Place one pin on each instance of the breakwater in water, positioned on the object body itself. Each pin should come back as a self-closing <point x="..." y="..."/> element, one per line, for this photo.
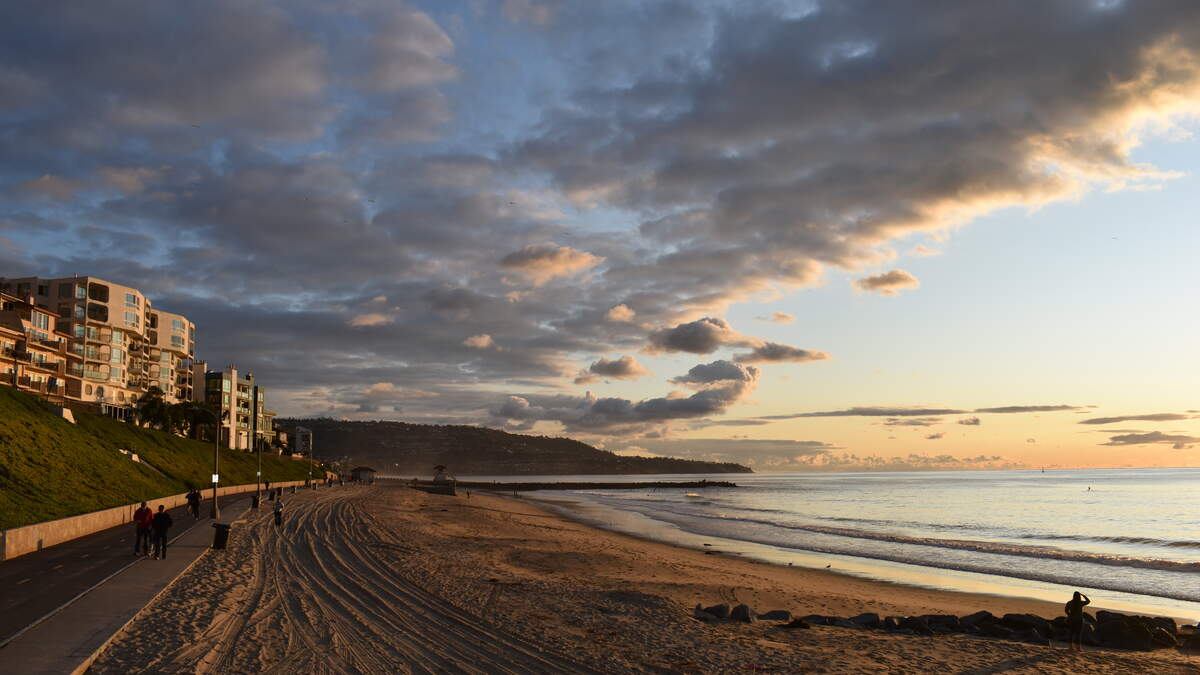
<point x="591" y="485"/>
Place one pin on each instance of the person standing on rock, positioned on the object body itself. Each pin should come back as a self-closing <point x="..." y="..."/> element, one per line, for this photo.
<point x="1074" y="609"/>
<point x="142" y="519"/>
<point x="162" y="523"/>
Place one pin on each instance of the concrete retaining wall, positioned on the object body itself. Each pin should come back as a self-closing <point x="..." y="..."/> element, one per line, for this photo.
<point x="21" y="540"/>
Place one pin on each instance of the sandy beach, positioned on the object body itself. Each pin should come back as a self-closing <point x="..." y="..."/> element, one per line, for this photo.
<point x="388" y="579"/>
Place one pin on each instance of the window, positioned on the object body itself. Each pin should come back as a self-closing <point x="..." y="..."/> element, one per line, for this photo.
<point x="225" y="400"/>
<point x="79" y="311"/>
<point x="177" y="341"/>
<point x="117" y="374"/>
<point x="98" y="292"/>
<point x="225" y="387"/>
<point x="43" y="289"/>
<point x="118" y="337"/>
<point x="66" y="290"/>
<point x="80" y="292"/>
<point x="152" y="320"/>
<point x="131" y="299"/>
<point x="97" y="312"/>
<point x="40" y="320"/>
<point x="118" y="356"/>
<point x="87" y="389"/>
<point x="78" y="330"/>
<point x="132" y="319"/>
<point x="176" y="324"/>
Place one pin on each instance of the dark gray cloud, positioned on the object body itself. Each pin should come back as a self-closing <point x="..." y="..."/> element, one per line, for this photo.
<point x="970" y="421"/>
<point x="702" y="336"/>
<point x="773" y="352"/>
<point x="934" y="437"/>
<point x="719" y="385"/>
<point x="1155" y="417"/>
<point x="624" y="368"/>
<point x="871" y="412"/>
<point x="912" y="421"/>
<point x="1027" y="409"/>
<point x="1177" y="441"/>
<point x="332" y="190"/>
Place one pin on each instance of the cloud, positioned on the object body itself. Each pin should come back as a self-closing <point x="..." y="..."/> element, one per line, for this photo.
<point x="719" y="385"/>
<point x="871" y="412"/>
<point x="624" y="368"/>
<point x="970" y="421"/>
<point x="718" y="371"/>
<point x="1176" y="441"/>
<point x="934" y="437"/>
<point x="758" y="454"/>
<point x="306" y="158"/>
<point x="1156" y="417"/>
<point x="911" y="462"/>
<point x="888" y="283"/>
<point x="912" y="421"/>
<point x="621" y="314"/>
<point x="1027" y="409"/>
<point x="543" y="262"/>
<point x="702" y="336"/>
<point x="773" y="352"/>
<point x="481" y="341"/>
<point x="373" y="319"/>
<point x="778" y="317"/>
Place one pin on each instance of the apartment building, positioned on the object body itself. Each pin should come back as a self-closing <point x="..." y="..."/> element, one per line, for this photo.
<point x="246" y="424"/>
<point x="34" y="353"/>
<point x="118" y="345"/>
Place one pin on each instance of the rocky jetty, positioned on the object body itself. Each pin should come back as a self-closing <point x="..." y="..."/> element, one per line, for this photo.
<point x="1105" y="629"/>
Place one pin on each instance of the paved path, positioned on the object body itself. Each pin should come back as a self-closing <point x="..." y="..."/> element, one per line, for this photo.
<point x="34" y="584"/>
<point x="120" y="584"/>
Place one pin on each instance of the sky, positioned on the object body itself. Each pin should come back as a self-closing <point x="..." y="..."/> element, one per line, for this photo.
<point x="796" y="235"/>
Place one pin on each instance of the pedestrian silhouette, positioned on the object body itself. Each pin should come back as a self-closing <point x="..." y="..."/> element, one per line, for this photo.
<point x="1074" y="610"/>
<point x="142" y="519"/>
<point x="193" y="500"/>
<point x="278" y="512"/>
<point x="162" y="523"/>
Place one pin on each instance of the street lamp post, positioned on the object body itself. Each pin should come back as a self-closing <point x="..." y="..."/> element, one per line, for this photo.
<point x="216" y="509"/>
<point x="258" y="443"/>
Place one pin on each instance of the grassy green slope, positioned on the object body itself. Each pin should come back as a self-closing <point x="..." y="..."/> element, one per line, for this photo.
<point x="50" y="468"/>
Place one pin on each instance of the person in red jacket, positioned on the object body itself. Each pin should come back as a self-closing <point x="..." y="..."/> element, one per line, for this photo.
<point x="143" y="520"/>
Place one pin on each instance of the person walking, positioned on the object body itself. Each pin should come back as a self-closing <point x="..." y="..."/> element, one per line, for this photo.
<point x="193" y="500"/>
<point x="162" y="523"/>
<point x="1074" y="609"/>
<point x="142" y="519"/>
<point x="278" y="512"/>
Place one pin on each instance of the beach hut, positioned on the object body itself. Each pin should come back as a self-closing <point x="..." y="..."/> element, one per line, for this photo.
<point x="362" y="474"/>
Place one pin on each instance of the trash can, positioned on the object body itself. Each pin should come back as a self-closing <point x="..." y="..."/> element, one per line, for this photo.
<point x="254" y="502"/>
<point x="220" y="536"/>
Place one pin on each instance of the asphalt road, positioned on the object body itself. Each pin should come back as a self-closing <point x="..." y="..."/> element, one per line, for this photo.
<point x="37" y="583"/>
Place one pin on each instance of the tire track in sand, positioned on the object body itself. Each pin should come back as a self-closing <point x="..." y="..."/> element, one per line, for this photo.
<point x="322" y="594"/>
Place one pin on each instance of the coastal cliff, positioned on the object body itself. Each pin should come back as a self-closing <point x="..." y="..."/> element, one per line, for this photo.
<point x="399" y="447"/>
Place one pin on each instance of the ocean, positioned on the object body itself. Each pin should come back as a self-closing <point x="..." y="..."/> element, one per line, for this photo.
<point x="1128" y="538"/>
